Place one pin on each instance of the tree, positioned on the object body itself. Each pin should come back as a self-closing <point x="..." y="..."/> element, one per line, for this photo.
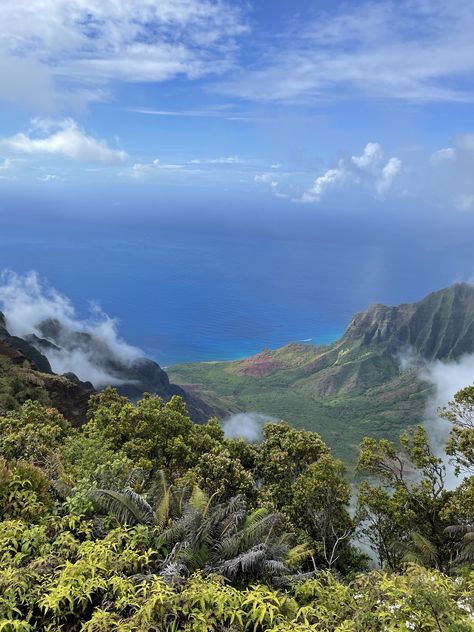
<point x="33" y="433"/>
<point x="285" y="454"/>
<point x="153" y="434"/>
<point x="219" y="474"/>
<point x="319" y="508"/>
<point x="408" y="504"/>
<point x="460" y="413"/>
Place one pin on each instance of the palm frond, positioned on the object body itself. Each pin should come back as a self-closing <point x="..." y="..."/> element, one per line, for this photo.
<point x="420" y="551"/>
<point x="255" y="516"/>
<point x="199" y="500"/>
<point x="128" y="507"/>
<point x="163" y="501"/>
<point x="459" y="529"/>
<point x="466" y="552"/>
<point x="275" y="567"/>
<point x="136" y="477"/>
<point x="244" y="564"/>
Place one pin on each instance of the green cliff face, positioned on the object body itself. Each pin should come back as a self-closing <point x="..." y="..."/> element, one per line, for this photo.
<point x="354" y="387"/>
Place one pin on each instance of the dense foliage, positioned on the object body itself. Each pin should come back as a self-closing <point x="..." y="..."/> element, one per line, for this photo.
<point x="142" y="520"/>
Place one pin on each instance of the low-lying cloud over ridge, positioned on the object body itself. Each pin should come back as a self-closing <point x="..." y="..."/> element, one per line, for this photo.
<point x="87" y="347"/>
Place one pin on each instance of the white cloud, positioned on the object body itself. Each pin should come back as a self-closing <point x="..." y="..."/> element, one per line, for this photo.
<point x="442" y="155"/>
<point x="247" y="426"/>
<point x="25" y="80"/>
<point x="409" y="49"/>
<point x="49" y="177"/>
<point x="60" y="138"/>
<point x="389" y="173"/>
<point x="454" y="168"/>
<point x="6" y="164"/>
<point x="465" y="142"/>
<point x="224" y="160"/>
<point x="91" y="42"/>
<point x="462" y="149"/>
<point x="372" y="154"/>
<point x="263" y="177"/>
<point x="369" y="168"/>
<point x="141" y="170"/>
<point x="464" y="202"/>
<point x="328" y="180"/>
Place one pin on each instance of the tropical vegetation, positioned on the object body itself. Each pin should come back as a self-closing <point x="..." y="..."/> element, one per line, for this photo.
<point x="143" y="520"/>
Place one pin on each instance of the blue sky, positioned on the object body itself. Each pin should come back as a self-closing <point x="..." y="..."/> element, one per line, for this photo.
<point x="318" y="104"/>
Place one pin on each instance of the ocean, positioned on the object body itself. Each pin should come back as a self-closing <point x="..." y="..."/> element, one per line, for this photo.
<point x="199" y="289"/>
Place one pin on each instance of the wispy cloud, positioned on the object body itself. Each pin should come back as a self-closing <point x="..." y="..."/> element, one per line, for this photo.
<point x="453" y="170"/>
<point x="411" y="50"/>
<point x="6" y="165"/>
<point x="223" y="160"/>
<point x="62" y="138"/>
<point x="196" y="166"/>
<point x="94" y="42"/>
<point x="142" y="170"/>
<point x="49" y="177"/>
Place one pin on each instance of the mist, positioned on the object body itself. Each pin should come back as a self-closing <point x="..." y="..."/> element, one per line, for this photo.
<point x="247" y="426"/>
<point x="446" y="378"/>
<point x="86" y="347"/>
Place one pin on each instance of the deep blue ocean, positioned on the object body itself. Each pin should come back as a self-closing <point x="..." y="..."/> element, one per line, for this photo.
<point x="189" y="287"/>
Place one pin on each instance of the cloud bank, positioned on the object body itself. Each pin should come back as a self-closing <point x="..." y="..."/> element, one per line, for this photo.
<point x="87" y="347"/>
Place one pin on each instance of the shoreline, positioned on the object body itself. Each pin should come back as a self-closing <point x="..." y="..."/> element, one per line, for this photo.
<point x="316" y="341"/>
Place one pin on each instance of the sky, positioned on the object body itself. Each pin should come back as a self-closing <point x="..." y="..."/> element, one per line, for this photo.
<point x="312" y="102"/>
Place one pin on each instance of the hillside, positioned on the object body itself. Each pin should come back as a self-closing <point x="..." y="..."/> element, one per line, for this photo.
<point x="355" y="386"/>
<point x="25" y="372"/>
